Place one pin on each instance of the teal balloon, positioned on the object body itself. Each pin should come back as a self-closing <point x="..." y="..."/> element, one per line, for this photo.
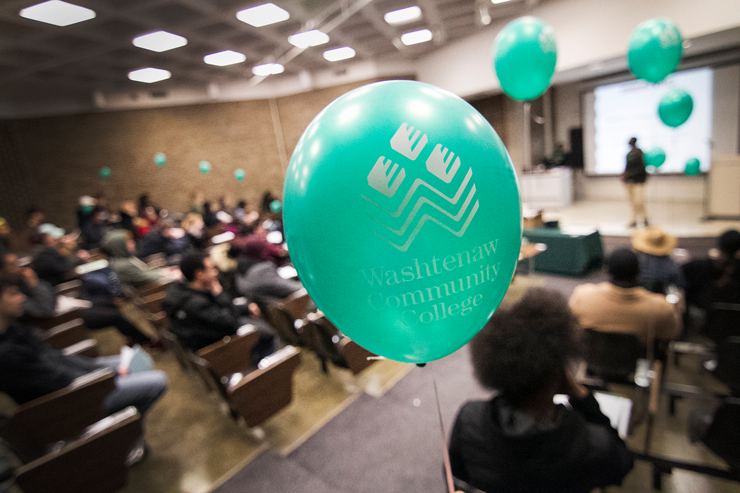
<point x="276" y="206"/>
<point x="204" y="167"/>
<point x="693" y="166"/>
<point x="239" y="174"/>
<point x="655" y="157"/>
<point x="675" y="107"/>
<point x="104" y="172"/>
<point x="426" y="223"/>
<point x="524" y="56"/>
<point x="160" y="159"/>
<point x="655" y="50"/>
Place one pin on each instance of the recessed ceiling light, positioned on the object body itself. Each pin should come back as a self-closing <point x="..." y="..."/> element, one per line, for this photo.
<point x="339" y="54"/>
<point x="416" y="37"/>
<point x="268" y="69"/>
<point x="149" y="75"/>
<point x="499" y="1"/>
<point x="222" y="58"/>
<point x="308" y="38"/>
<point x="263" y="15"/>
<point x="403" y="16"/>
<point x="58" y="13"/>
<point x="160" y="41"/>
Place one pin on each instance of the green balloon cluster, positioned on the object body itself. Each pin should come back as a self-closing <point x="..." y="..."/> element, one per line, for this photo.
<point x="524" y="57"/>
<point x="204" y="167"/>
<point x="693" y="166"/>
<point x="655" y="50"/>
<point x="655" y="157"/>
<point x="429" y="206"/>
<point x="675" y="107"/>
<point x="105" y="172"/>
<point x="160" y="159"/>
<point x="239" y="174"/>
<point x="276" y="206"/>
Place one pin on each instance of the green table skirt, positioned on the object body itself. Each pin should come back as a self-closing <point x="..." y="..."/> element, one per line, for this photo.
<point x="567" y="254"/>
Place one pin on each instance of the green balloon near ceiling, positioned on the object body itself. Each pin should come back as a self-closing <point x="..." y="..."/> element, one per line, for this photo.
<point x="276" y="206"/>
<point x="429" y="205"/>
<point x="239" y="174"/>
<point x="104" y="172"/>
<point x="204" y="167"/>
<point x="655" y="50"/>
<point x="160" y="159"/>
<point x="524" y="57"/>
<point x="655" y="157"/>
<point x="693" y="166"/>
<point x="675" y="107"/>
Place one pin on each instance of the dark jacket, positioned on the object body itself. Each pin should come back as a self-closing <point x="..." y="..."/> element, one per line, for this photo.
<point x="635" y="171"/>
<point x="496" y="449"/>
<point x="53" y="267"/>
<point x="198" y="317"/>
<point x="92" y="235"/>
<point x="40" y="301"/>
<point x="30" y="369"/>
<point x="260" y="281"/>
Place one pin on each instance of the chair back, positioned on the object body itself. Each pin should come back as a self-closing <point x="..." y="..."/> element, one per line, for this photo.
<point x="728" y="364"/>
<point x="723" y="435"/>
<point x="66" y="334"/>
<point x="611" y="356"/>
<point x="723" y="321"/>
<point x="282" y="315"/>
<point x="71" y="288"/>
<point x="232" y="354"/>
<point x="659" y="286"/>
<point x="152" y="303"/>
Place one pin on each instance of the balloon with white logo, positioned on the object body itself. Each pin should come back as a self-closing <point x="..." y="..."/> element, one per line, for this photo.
<point x="401" y="210"/>
<point x="655" y="50"/>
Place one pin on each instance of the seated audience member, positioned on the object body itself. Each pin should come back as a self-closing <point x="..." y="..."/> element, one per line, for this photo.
<point x="267" y="199"/>
<point x="709" y="280"/>
<point x="657" y="270"/>
<point x="158" y="240"/>
<point x="255" y="245"/>
<point x="193" y="226"/>
<point x="40" y="299"/>
<point x="34" y="219"/>
<point x="120" y="245"/>
<point x="30" y="369"/>
<point x="622" y="306"/>
<point x="7" y="238"/>
<point x="130" y="218"/>
<point x="85" y="209"/>
<point x="197" y="199"/>
<point x="259" y="280"/>
<point x="201" y="313"/>
<point x="93" y="231"/>
<point x="49" y="262"/>
<point x="520" y="441"/>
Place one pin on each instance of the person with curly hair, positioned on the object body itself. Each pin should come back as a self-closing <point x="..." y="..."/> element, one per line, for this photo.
<point x="520" y="440"/>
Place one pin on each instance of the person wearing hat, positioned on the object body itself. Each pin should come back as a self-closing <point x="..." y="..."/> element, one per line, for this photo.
<point x="7" y="240"/>
<point x="657" y="270"/>
<point x="623" y="306"/>
<point x="634" y="178"/>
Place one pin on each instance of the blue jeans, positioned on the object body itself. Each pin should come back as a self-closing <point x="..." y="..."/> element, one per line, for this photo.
<point x="140" y="390"/>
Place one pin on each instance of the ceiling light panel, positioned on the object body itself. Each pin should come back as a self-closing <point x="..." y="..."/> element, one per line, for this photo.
<point x="149" y="75"/>
<point x="263" y="15"/>
<point x="416" y="37"/>
<point x="57" y="13"/>
<point x="160" y="41"/>
<point x="339" y="54"/>
<point x="308" y="38"/>
<point x="223" y="58"/>
<point x="499" y="1"/>
<point x="403" y="16"/>
<point x="268" y="69"/>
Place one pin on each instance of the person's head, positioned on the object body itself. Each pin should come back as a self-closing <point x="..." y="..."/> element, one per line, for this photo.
<point x="193" y="223"/>
<point x="11" y="300"/>
<point x="242" y="204"/>
<point x="523" y="351"/>
<point x="129" y="207"/>
<point x="143" y="201"/>
<point x="728" y="243"/>
<point x="633" y="142"/>
<point x="34" y="217"/>
<point x="4" y="228"/>
<point x="623" y="267"/>
<point x="9" y="266"/>
<point x="199" y="270"/>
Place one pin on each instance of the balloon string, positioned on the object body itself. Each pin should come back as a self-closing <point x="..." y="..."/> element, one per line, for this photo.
<point x="445" y="452"/>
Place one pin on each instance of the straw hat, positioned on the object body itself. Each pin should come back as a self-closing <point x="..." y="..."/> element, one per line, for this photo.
<point x="654" y="241"/>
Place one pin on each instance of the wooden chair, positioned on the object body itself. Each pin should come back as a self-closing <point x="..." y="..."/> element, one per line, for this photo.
<point x="152" y="303"/>
<point x="71" y="338"/>
<point x="331" y="345"/>
<point x="71" y="288"/>
<point x="93" y="463"/>
<point x="611" y="357"/>
<point x="283" y="314"/>
<point x="253" y="394"/>
<point x="59" y="319"/>
<point x="156" y="261"/>
<point x="153" y="287"/>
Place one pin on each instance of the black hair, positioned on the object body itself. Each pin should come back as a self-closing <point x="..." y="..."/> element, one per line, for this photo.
<point x="524" y="349"/>
<point x="633" y="141"/>
<point x="7" y="282"/>
<point x="241" y="204"/>
<point x="729" y="242"/>
<point x="622" y="265"/>
<point x="191" y="263"/>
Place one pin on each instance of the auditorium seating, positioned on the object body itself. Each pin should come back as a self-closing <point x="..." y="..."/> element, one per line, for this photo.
<point x="333" y="346"/>
<point x="72" y="338"/>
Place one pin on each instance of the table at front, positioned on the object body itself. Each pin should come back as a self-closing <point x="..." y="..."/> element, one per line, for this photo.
<point x="567" y="254"/>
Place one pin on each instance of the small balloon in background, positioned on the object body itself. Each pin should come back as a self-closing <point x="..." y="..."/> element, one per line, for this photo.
<point x="160" y="159"/>
<point x="655" y="157"/>
<point x="239" y="174"/>
<point x="204" y="167"/>
<point x="276" y="206"/>
<point x="655" y="50"/>
<point x="675" y="107"/>
<point x="524" y="57"/>
<point x="105" y="172"/>
<point x="693" y="166"/>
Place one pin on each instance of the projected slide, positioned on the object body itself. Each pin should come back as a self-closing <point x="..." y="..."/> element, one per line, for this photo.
<point x="630" y="109"/>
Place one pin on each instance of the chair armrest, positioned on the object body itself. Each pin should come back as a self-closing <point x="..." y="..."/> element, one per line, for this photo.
<point x="87" y="347"/>
<point x="232" y="354"/>
<point x="64" y="335"/>
<point x="64" y="414"/>
<point x="691" y="348"/>
<point x="69" y="288"/>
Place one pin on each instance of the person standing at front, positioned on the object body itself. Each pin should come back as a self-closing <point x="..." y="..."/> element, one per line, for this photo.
<point x="634" y="178"/>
